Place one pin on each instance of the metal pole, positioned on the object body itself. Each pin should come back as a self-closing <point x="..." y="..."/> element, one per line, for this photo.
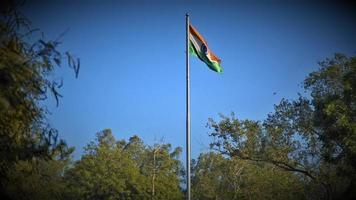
<point x="188" y="105"/>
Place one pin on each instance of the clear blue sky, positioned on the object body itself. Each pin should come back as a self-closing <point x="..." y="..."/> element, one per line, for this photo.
<point x="132" y="76"/>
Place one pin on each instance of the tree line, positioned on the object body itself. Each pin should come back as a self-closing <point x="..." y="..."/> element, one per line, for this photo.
<point x="304" y="149"/>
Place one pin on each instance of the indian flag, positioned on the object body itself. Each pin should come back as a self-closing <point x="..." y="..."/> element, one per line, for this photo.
<point x="199" y="47"/>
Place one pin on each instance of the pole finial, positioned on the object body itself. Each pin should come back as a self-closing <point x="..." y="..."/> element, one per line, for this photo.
<point x="187" y="14"/>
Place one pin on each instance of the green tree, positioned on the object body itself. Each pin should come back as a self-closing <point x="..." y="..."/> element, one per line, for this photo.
<point x="26" y="139"/>
<point x="163" y="169"/>
<point x="37" y="179"/>
<point x="209" y="179"/>
<point x="313" y="137"/>
<point x="104" y="171"/>
<point x="218" y="177"/>
<point x="111" y="169"/>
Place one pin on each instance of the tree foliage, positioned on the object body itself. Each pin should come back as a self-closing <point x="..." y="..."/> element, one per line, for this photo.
<point x="312" y="137"/>
<point x="217" y="177"/>
<point x="26" y="68"/>
<point x="111" y="169"/>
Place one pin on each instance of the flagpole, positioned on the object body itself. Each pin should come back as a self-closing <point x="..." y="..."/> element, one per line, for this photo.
<point x="188" y="105"/>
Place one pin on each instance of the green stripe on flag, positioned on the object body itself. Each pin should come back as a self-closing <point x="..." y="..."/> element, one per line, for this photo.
<point x="215" y="66"/>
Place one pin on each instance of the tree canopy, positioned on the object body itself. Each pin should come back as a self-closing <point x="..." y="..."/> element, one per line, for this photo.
<point x="111" y="169"/>
<point x="312" y="137"/>
<point x="27" y="141"/>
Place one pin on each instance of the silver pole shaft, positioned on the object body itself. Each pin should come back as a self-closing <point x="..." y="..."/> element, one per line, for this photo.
<point x="188" y="106"/>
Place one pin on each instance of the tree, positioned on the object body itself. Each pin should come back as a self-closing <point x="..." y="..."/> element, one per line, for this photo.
<point x="104" y="171"/>
<point x="25" y="69"/>
<point x="313" y="137"/>
<point x="218" y="177"/>
<point x="111" y="169"/>
<point x="164" y="169"/>
<point x="209" y="178"/>
<point x="37" y="179"/>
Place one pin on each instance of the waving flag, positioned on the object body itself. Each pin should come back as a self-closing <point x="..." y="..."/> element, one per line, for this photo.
<point x="199" y="47"/>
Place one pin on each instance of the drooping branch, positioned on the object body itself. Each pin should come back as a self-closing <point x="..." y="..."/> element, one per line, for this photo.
<point x="280" y="164"/>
